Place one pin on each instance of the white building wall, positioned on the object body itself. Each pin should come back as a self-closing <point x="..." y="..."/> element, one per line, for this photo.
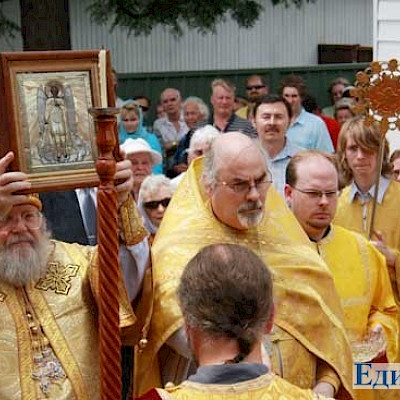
<point x="282" y="37"/>
<point x="386" y="29"/>
<point x="386" y="14"/>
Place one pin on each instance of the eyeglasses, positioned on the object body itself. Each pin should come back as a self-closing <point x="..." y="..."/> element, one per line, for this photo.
<point x="144" y="108"/>
<point x="318" y="194"/>
<point x="257" y="87"/>
<point x="153" y="205"/>
<point x="245" y="186"/>
<point x="32" y="220"/>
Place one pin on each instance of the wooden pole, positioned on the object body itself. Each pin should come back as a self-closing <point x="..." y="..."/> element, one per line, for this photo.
<point x="109" y="272"/>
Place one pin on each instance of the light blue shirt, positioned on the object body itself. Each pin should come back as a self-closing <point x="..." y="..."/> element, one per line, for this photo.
<point x="365" y="197"/>
<point x="279" y="163"/>
<point x="310" y="132"/>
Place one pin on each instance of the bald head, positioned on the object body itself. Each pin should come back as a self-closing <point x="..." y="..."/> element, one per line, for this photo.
<point x="171" y="101"/>
<point x="311" y="191"/>
<point x="170" y="92"/>
<point x="227" y="150"/>
<point x="236" y="179"/>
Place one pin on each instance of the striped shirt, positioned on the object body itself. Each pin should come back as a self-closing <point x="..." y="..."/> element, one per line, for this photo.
<point x="235" y="124"/>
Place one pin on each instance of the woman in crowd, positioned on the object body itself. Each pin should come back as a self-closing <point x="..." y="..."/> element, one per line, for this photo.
<point x="154" y="196"/>
<point x="142" y="158"/>
<point x="132" y="127"/>
<point x="343" y="110"/>
<point x="335" y="90"/>
<point x="200" y="144"/>
<point x="194" y="111"/>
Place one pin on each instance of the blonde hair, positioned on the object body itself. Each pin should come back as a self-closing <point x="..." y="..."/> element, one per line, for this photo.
<point x="368" y="138"/>
<point x="129" y="107"/>
<point x="227" y="85"/>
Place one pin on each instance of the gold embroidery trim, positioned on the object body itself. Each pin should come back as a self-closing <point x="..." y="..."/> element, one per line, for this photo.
<point x="58" y="343"/>
<point x="25" y="357"/>
<point x="58" y="278"/>
<point x="131" y="222"/>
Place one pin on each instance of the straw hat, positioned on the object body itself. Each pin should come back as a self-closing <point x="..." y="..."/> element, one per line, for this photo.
<point x="133" y="146"/>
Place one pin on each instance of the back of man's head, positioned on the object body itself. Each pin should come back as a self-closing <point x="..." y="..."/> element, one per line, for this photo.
<point x="226" y="291"/>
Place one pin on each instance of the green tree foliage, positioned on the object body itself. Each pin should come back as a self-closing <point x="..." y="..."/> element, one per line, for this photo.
<point x="141" y="16"/>
<point x="287" y="3"/>
<point x="7" y="27"/>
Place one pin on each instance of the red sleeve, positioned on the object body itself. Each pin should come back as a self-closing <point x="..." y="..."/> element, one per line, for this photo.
<point x="152" y="394"/>
<point x="333" y="128"/>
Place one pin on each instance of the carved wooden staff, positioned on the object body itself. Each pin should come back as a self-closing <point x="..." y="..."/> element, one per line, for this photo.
<point x="109" y="272"/>
<point x="378" y="98"/>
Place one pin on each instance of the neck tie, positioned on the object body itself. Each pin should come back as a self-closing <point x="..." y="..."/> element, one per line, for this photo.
<point x="90" y="217"/>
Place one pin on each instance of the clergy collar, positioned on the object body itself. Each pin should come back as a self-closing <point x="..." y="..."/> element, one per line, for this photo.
<point x="324" y="236"/>
<point x="383" y="185"/>
<point x="228" y="373"/>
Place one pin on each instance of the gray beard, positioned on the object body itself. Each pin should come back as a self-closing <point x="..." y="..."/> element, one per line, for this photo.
<point x="21" y="266"/>
<point x="250" y="220"/>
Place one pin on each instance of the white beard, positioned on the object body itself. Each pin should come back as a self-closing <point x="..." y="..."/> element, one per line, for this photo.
<point x="19" y="266"/>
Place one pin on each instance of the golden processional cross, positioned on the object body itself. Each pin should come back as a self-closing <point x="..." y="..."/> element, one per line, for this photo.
<point x="377" y="92"/>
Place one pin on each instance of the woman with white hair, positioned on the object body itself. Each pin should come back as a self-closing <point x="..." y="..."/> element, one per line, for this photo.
<point x="200" y="143"/>
<point x="142" y="158"/>
<point x="154" y="196"/>
<point x="194" y="111"/>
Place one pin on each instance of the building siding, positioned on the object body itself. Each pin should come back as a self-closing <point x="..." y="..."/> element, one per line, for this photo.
<point x="386" y="17"/>
<point x="386" y="29"/>
<point x="282" y="37"/>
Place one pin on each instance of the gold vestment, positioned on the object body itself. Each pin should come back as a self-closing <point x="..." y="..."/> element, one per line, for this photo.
<point x="64" y="302"/>
<point x="308" y="307"/>
<point x="265" y="387"/>
<point x="363" y="284"/>
<point x="354" y="216"/>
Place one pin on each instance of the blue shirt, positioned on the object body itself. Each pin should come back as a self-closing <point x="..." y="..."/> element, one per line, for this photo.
<point x="310" y="132"/>
<point x="365" y="197"/>
<point x="279" y="163"/>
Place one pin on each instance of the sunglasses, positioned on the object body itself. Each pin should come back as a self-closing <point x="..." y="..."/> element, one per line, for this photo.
<point x="257" y="87"/>
<point x="153" y="205"/>
<point x="145" y="109"/>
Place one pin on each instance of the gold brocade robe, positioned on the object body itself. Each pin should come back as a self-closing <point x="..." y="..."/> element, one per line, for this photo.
<point x="265" y="387"/>
<point x="308" y="308"/>
<point x="64" y="302"/>
<point x="387" y="216"/>
<point x="363" y="284"/>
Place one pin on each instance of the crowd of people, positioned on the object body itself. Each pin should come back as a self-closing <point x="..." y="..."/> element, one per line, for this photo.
<point x="266" y="259"/>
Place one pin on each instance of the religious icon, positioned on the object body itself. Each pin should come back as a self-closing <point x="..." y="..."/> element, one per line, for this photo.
<point x="59" y="131"/>
<point x="46" y="120"/>
<point x="58" y="137"/>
